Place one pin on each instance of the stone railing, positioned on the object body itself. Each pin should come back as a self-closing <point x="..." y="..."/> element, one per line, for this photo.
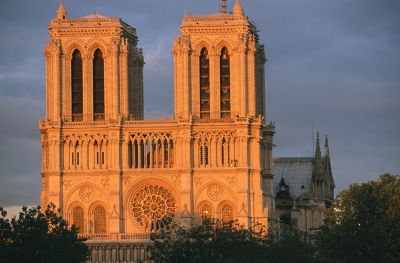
<point x="152" y="116"/>
<point x="129" y="251"/>
<point x="127" y="247"/>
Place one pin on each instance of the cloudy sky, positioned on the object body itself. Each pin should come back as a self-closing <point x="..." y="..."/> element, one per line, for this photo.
<point x="333" y="65"/>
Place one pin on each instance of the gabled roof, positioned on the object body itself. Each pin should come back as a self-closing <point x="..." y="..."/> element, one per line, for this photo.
<point x="296" y="171"/>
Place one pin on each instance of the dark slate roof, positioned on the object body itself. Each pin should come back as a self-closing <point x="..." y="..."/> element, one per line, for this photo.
<point x="296" y="172"/>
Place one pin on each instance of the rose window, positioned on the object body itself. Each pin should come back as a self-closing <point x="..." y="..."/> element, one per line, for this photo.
<point x="153" y="206"/>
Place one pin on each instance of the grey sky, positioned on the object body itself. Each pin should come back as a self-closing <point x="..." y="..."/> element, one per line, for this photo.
<point x="332" y="64"/>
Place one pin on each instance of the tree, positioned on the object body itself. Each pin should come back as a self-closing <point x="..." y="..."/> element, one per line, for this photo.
<point x="288" y="247"/>
<point x="363" y="225"/>
<point x="39" y="237"/>
<point x="228" y="242"/>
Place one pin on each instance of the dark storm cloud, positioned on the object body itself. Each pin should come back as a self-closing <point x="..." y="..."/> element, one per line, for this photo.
<point x="334" y="65"/>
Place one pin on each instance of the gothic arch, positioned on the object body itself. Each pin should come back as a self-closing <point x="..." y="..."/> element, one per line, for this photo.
<point x="220" y="43"/>
<point x="224" y="204"/>
<point x="202" y="205"/>
<point x="93" y="45"/>
<point x="99" y="195"/>
<point x="93" y="220"/>
<point x="201" y="43"/>
<point x="227" y="192"/>
<point x="73" y="44"/>
<point x="70" y="216"/>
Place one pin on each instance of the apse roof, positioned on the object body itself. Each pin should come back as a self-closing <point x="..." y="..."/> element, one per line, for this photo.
<point x="296" y="171"/>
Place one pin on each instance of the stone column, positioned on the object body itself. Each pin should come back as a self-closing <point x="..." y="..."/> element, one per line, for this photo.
<point x="157" y="154"/>
<point x="151" y="154"/>
<point x="133" y="153"/>
<point x="139" y="153"/>
<point x="169" y="154"/>
<point x="124" y="156"/>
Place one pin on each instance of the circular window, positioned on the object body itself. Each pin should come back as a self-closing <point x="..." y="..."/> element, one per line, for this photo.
<point x="152" y="206"/>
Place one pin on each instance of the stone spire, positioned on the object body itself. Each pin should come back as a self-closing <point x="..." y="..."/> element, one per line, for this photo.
<point x="238" y="9"/>
<point x="317" y="149"/>
<point x="223" y="6"/>
<point x="61" y="13"/>
<point x="326" y="147"/>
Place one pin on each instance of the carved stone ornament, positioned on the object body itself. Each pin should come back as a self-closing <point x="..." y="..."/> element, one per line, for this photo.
<point x="198" y="181"/>
<point x="231" y="180"/>
<point x="153" y="206"/>
<point x="105" y="182"/>
<point x="127" y="180"/>
<point x="215" y="192"/>
<point x="86" y="193"/>
<point x="177" y="179"/>
<point x="67" y="184"/>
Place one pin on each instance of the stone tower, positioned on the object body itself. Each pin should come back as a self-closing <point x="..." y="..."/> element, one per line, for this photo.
<point x="94" y="78"/>
<point x="219" y="66"/>
<point x="116" y="174"/>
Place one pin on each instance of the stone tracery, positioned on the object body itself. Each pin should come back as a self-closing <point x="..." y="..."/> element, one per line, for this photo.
<point x="152" y="206"/>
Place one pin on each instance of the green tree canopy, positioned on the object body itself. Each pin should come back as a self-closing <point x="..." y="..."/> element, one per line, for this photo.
<point x="229" y="242"/>
<point x="39" y="237"/>
<point x="363" y="225"/>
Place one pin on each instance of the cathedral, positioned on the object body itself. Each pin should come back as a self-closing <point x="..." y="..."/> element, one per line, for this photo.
<point x="118" y="175"/>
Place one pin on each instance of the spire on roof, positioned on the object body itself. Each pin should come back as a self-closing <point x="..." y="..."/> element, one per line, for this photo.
<point x="61" y="13"/>
<point x="223" y="6"/>
<point x="317" y="148"/>
<point x="238" y="9"/>
<point x="326" y="147"/>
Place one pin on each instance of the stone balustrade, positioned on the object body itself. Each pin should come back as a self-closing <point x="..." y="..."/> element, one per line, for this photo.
<point x="127" y="251"/>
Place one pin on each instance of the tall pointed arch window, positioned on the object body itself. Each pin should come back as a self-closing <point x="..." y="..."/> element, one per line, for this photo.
<point x="78" y="219"/>
<point x="76" y="86"/>
<point x="206" y="212"/>
<point x="98" y="85"/>
<point x="99" y="220"/>
<point x="225" y="84"/>
<point x="227" y="214"/>
<point x="204" y="84"/>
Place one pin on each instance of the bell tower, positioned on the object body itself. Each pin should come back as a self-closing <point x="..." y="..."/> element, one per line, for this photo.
<point x="219" y="66"/>
<point x="87" y="65"/>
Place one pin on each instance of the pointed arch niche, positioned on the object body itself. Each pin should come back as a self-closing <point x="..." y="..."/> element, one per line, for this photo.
<point x="204" y="64"/>
<point x="99" y="219"/>
<point x="76" y="86"/>
<point x="78" y="219"/>
<point x="98" y="85"/>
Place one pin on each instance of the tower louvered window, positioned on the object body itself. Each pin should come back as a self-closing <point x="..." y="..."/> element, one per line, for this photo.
<point x="98" y="85"/>
<point x="225" y="89"/>
<point x="76" y="86"/>
<point x="204" y="85"/>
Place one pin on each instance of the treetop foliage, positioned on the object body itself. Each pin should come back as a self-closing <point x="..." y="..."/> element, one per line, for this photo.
<point x="363" y="224"/>
<point x="37" y="236"/>
<point x="227" y="242"/>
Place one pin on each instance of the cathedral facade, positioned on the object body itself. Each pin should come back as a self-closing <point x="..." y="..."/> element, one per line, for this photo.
<point x="116" y="174"/>
<point x="112" y="171"/>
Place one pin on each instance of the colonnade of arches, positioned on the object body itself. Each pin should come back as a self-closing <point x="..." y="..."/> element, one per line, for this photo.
<point x="86" y="154"/>
<point x="149" y="152"/>
<point x="214" y="152"/>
